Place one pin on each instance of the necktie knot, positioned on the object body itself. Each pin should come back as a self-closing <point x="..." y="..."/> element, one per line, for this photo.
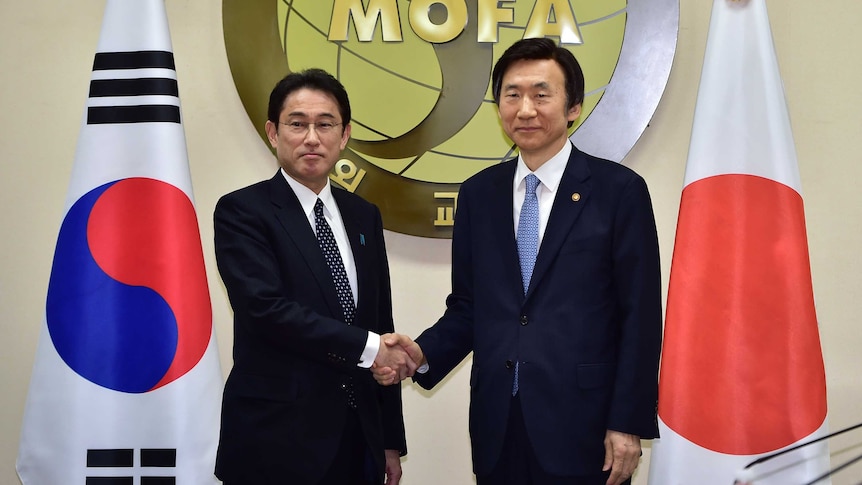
<point x="318" y="208"/>
<point x="532" y="183"/>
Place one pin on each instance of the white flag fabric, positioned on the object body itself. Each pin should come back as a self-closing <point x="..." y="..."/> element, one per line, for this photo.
<point x="742" y="371"/>
<point x="126" y="386"/>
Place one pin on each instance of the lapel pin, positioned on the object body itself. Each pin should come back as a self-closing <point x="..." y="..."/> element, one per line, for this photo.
<point x="576" y="197"/>
<point x="362" y="239"/>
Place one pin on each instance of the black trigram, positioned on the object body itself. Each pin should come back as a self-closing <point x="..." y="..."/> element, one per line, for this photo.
<point x="121" y="86"/>
<point x="124" y="458"/>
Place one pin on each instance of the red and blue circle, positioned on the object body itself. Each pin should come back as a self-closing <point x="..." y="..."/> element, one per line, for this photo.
<point x="128" y="306"/>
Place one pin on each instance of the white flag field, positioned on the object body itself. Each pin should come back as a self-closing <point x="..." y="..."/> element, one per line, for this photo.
<point x="742" y="371"/>
<point x="126" y="385"/>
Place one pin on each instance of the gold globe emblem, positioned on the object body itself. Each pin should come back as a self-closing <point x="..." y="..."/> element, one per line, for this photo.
<point x="418" y="76"/>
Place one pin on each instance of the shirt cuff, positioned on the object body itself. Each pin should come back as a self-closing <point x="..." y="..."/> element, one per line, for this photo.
<point x="422" y="368"/>
<point x="372" y="346"/>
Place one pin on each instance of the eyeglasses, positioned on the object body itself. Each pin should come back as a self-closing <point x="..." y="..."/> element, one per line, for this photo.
<point x="303" y="127"/>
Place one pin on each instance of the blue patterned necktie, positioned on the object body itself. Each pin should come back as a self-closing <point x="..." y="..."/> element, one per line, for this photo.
<point x="528" y="231"/>
<point x="528" y="242"/>
<point x="336" y="265"/>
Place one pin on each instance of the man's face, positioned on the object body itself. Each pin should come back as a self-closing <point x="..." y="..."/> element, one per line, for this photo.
<point x="308" y="152"/>
<point x="533" y="109"/>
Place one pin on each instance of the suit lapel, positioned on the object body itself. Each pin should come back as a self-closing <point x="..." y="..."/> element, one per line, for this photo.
<point x="356" y="236"/>
<point x="289" y="213"/>
<point x="573" y="185"/>
<point x="501" y="223"/>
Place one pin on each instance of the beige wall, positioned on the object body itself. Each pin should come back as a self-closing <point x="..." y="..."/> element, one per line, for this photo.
<point x="46" y="51"/>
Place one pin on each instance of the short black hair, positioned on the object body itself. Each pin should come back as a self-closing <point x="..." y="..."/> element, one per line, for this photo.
<point x="540" y="49"/>
<point x="316" y="79"/>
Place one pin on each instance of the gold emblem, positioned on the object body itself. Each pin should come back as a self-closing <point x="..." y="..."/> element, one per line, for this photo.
<point x="418" y="75"/>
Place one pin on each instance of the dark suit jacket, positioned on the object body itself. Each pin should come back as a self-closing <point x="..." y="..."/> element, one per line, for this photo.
<point x="588" y="332"/>
<point x="284" y="404"/>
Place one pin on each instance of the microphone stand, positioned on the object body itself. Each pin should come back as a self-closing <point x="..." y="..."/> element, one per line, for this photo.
<point x="802" y="445"/>
<point x="811" y="442"/>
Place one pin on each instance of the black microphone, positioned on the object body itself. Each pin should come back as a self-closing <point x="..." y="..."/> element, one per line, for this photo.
<point x="835" y="470"/>
<point x="802" y="445"/>
<point x="829" y="473"/>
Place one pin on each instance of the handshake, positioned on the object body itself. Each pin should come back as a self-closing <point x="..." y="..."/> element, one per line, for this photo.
<point x="398" y="358"/>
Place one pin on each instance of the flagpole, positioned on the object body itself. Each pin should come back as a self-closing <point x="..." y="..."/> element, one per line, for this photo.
<point x="126" y="381"/>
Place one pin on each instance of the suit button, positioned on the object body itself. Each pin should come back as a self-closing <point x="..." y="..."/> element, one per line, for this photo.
<point x="524" y="320"/>
<point x="509" y="364"/>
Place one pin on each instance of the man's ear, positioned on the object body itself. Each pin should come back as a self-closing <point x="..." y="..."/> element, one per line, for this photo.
<point x="574" y="112"/>
<point x="345" y="136"/>
<point x="271" y="133"/>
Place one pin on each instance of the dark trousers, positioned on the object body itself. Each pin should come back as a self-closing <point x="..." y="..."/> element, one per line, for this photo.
<point x="353" y="464"/>
<point x="518" y="464"/>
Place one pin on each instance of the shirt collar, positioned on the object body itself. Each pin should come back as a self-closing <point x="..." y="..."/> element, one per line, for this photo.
<point x="307" y="197"/>
<point x="550" y="173"/>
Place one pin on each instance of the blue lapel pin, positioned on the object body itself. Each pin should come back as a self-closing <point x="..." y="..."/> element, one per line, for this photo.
<point x="362" y="239"/>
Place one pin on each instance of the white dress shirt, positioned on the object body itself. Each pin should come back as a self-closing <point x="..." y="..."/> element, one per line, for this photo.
<point x="307" y="199"/>
<point x="549" y="175"/>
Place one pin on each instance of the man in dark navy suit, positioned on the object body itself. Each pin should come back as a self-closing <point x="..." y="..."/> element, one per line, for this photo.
<point x="556" y="290"/>
<point x="305" y="268"/>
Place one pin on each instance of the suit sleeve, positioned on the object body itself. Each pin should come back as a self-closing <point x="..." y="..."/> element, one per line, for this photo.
<point x="637" y="277"/>
<point x="251" y="272"/>
<point x="390" y="396"/>
<point x="448" y="341"/>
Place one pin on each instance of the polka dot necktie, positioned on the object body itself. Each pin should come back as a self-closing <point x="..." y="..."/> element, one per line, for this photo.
<point x="528" y="243"/>
<point x="336" y="265"/>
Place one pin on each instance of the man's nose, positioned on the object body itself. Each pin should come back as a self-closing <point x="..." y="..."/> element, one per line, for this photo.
<point x="311" y="137"/>
<point x="527" y="108"/>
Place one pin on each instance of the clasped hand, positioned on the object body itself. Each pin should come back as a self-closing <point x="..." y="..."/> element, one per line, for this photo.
<point x="398" y="358"/>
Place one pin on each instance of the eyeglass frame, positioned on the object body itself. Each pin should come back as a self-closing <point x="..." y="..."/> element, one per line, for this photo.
<point x="292" y="126"/>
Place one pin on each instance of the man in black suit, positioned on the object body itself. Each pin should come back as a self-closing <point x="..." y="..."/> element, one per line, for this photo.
<point x="305" y="269"/>
<point x="556" y="290"/>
